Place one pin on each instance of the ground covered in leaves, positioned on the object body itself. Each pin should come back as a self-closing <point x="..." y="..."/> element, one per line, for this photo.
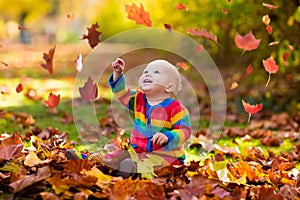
<point x="33" y="165"/>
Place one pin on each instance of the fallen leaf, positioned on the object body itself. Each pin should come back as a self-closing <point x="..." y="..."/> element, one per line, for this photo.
<point x="271" y="67"/>
<point x="168" y="27"/>
<point x="249" y="70"/>
<point x="285" y="57"/>
<point x="93" y="35"/>
<point x="203" y="33"/>
<point x="19" y="88"/>
<point x="273" y="43"/>
<point x="139" y="15"/>
<point x="269" y="29"/>
<point x="49" y="60"/>
<point x="78" y="63"/>
<point x="251" y="109"/>
<point x="247" y="42"/>
<point x="89" y="91"/>
<point x="10" y="147"/>
<point x="270" y="6"/>
<point x="183" y="65"/>
<point x="52" y="101"/>
<point x="32" y="159"/>
<point x="181" y="6"/>
<point x="266" y="19"/>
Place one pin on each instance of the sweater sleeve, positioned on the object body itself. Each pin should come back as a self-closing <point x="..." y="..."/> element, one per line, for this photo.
<point x="122" y="92"/>
<point x="181" y="128"/>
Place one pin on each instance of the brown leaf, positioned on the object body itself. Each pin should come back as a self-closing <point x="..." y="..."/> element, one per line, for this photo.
<point x="48" y="57"/>
<point x="93" y="35"/>
<point x="77" y="165"/>
<point x="23" y="183"/>
<point x="264" y="193"/>
<point x="89" y="91"/>
<point x="203" y="33"/>
<point x="10" y="147"/>
<point x="47" y="196"/>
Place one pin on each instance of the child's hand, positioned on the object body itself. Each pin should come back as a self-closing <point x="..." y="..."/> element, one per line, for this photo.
<point x="159" y="138"/>
<point x="118" y="66"/>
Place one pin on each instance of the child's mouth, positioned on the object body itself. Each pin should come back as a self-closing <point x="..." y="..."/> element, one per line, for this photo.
<point x="147" y="81"/>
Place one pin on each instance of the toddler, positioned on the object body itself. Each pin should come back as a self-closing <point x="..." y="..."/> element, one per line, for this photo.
<point x="161" y="123"/>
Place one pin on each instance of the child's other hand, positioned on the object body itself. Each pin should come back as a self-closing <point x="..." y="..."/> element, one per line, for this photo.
<point x="118" y="66"/>
<point x="159" y="138"/>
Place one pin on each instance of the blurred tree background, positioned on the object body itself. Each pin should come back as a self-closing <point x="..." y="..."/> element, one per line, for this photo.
<point x="56" y="21"/>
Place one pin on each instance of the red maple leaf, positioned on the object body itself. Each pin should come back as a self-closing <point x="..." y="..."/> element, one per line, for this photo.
<point x="247" y="42"/>
<point x="285" y="57"/>
<point x="139" y="15"/>
<point x="249" y="69"/>
<point x="271" y="67"/>
<point x="93" y="35"/>
<point x="89" y="91"/>
<point x="270" y="6"/>
<point x="203" y="33"/>
<point x="168" y="27"/>
<point x="19" y="88"/>
<point x="252" y="109"/>
<point x="180" y="6"/>
<point x="48" y="57"/>
<point x="52" y="101"/>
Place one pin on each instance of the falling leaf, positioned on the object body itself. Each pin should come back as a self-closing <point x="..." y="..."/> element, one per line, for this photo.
<point x="183" y="65"/>
<point x="180" y="6"/>
<point x="10" y="147"/>
<point x="285" y="57"/>
<point x="290" y="47"/>
<point x="224" y="11"/>
<point x="270" y="6"/>
<point x="19" y="88"/>
<point x="52" y="101"/>
<point x="269" y="29"/>
<point x="89" y="91"/>
<point x="273" y="43"/>
<point x="4" y="63"/>
<point x="252" y="109"/>
<point x="266" y="19"/>
<point x="24" y="28"/>
<point x="93" y="35"/>
<point x="70" y="15"/>
<point x="199" y="48"/>
<point x="168" y="27"/>
<point x="234" y="85"/>
<point x="249" y="69"/>
<point x="139" y="15"/>
<point x="271" y="67"/>
<point x="247" y="42"/>
<point x="78" y="63"/>
<point x="1" y="46"/>
<point x="48" y="57"/>
<point x="203" y="33"/>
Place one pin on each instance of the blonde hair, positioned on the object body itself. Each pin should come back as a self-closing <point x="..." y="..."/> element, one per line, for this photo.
<point x="164" y="63"/>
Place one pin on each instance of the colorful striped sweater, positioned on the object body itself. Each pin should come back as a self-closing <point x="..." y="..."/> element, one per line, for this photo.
<point x="169" y="117"/>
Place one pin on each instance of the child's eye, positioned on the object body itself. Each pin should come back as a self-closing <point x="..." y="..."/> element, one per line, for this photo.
<point x="145" y="72"/>
<point x="156" y="72"/>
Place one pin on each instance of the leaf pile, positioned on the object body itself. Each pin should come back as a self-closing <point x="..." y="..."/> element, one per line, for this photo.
<point x="42" y="171"/>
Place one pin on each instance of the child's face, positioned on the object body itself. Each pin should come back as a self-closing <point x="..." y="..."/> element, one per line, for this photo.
<point x="156" y="78"/>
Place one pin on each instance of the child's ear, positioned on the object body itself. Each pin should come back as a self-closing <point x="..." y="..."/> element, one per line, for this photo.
<point x="171" y="88"/>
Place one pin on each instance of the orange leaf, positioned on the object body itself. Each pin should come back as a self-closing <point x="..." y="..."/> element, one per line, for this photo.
<point x="234" y="85"/>
<point x="93" y="35"/>
<point x="247" y="42"/>
<point x="180" y="6"/>
<point x="49" y="60"/>
<point x="224" y="11"/>
<point x="89" y="91"/>
<point x="52" y="101"/>
<point x="290" y="47"/>
<point x="270" y="6"/>
<point x="252" y="109"/>
<point x="24" y="28"/>
<point x="19" y="88"/>
<point x="139" y="15"/>
<point x="203" y="33"/>
<point x="70" y="15"/>
<point x="183" y="65"/>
